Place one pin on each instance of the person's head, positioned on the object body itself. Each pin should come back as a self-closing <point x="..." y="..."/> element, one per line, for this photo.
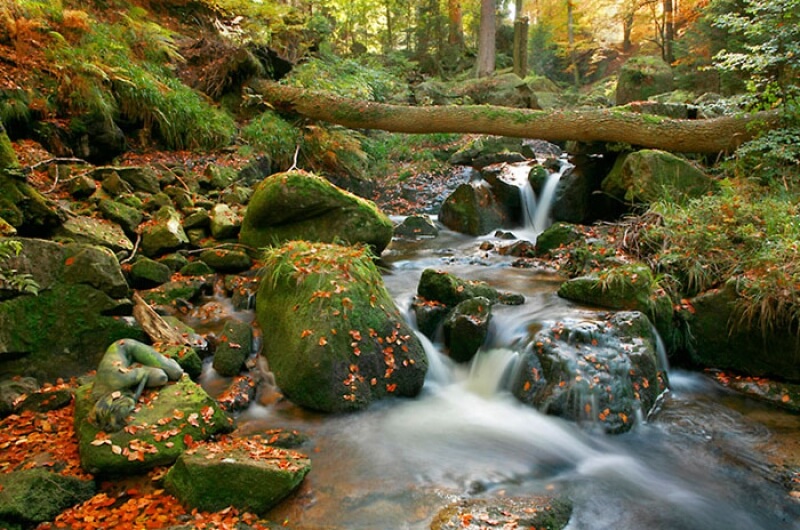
<point x="110" y="412"/>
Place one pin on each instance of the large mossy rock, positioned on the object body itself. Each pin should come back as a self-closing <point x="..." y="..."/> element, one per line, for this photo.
<point x="66" y="328"/>
<point x="473" y="209"/>
<point x="334" y="338"/>
<point x="595" y="372"/>
<point x="34" y="496"/>
<point x="164" y="234"/>
<point x="165" y="423"/>
<point x="244" y="473"/>
<point x="642" y="77"/>
<point x="720" y="339"/>
<point x="93" y="231"/>
<point x="296" y="205"/>
<point x="630" y="288"/>
<point x="451" y="290"/>
<point x="650" y="174"/>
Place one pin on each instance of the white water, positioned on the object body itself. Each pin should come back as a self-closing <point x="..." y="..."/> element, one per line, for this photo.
<point x="536" y="211"/>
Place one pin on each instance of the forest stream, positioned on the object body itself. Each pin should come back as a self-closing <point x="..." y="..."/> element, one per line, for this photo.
<point x="705" y="460"/>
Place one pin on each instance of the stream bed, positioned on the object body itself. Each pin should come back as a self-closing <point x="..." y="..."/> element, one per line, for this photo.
<point x="708" y="460"/>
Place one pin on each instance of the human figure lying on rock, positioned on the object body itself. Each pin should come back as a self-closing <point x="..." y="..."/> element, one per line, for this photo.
<point x="127" y="367"/>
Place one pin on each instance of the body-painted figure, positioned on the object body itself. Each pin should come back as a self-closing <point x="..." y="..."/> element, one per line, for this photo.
<point x="127" y="367"/>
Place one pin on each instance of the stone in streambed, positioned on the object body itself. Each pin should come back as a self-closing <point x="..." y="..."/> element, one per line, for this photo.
<point x="34" y="496"/>
<point x="337" y="341"/>
<point x="466" y="328"/>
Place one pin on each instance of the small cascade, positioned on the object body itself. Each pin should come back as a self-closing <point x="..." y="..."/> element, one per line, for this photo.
<point x="536" y="211"/>
<point x="489" y="371"/>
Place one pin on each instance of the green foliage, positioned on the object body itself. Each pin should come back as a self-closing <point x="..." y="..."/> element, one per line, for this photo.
<point x="770" y="51"/>
<point x="10" y="278"/>
<point x="771" y="158"/>
<point x="117" y="70"/>
<point x="333" y="150"/>
<point x="271" y="133"/>
<point x="348" y="78"/>
<point x="425" y="152"/>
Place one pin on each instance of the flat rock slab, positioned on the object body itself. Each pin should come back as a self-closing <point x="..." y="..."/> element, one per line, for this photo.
<point x="245" y="473"/>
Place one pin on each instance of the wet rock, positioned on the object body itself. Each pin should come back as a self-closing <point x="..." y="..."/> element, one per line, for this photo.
<point x="165" y="234"/>
<point x="417" y="227"/>
<point x="302" y="206"/>
<point x="175" y="417"/>
<point x="147" y="273"/>
<point x="721" y="340"/>
<point x="127" y="217"/>
<point x="245" y="474"/>
<point x="32" y="496"/>
<point x="46" y="400"/>
<point x="337" y="341"/>
<point x="224" y="222"/>
<point x="506" y="189"/>
<point x="577" y="197"/>
<point x="649" y="174"/>
<point x="187" y="358"/>
<point x="83" y="229"/>
<point x="518" y="249"/>
<point x="594" y="372"/>
<point x="525" y="512"/>
<point x="234" y="346"/>
<point x="451" y="290"/>
<point x="473" y="209"/>
<point x="226" y="260"/>
<point x="467" y="327"/>
<point x="239" y="394"/>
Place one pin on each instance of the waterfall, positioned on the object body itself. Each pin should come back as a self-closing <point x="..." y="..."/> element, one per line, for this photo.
<point x="536" y="211"/>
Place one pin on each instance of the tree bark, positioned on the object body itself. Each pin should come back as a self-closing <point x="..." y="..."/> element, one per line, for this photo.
<point x="456" y="25"/>
<point x="604" y="125"/>
<point x="486" y="39"/>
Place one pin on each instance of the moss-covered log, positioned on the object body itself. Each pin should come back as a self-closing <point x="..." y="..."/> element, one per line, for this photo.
<point x="603" y="125"/>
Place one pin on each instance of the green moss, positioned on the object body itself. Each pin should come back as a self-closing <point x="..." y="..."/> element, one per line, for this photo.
<point x="172" y="418"/>
<point x="8" y="158"/>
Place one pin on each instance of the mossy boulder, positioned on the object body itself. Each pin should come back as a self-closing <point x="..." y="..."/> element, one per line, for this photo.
<point x="78" y="312"/>
<point x="127" y="217"/>
<point x="164" y="234"/>
<point x="336" y="340"/>
<point x="226" y="259"/>
<point x="32" y="496"/>
<point x="296" y="205"/>
<point x="721" y="339"/>
<point x="244" y="473"/>
<point x="545" y="513"/>
<point x="224" y="222"/>
<point x="600" y="372"/>
<point x="648" y="175"/>
<point x="94" y="231"/>
<point x="473" y="209"/>
<point x="166" y="422"/>
<point x="488" y="150"/>
<point x="630" y="287"/>
<point x="183" y="290"/>
<point x="234" y="346"/>
<point x="642" y="77"/>
<point x="141" y="178"/>
<point x="557" y="235"/>
<point x="146" y="273"/>
<point x="450" y="290"/>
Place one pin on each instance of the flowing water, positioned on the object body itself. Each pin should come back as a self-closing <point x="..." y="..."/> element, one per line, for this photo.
<point x="698" y="464"/>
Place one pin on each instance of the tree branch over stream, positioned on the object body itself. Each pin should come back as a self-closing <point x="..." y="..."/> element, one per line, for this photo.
<point x="604" y="125"/>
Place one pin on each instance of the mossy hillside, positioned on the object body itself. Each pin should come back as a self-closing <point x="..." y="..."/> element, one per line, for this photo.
<point x="298" y="205"/>
<point x="165" y="423"/>
<point x="336" y="339"/>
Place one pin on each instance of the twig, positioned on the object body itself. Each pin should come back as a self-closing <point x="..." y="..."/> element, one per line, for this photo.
<point x="294" y="162"/>
<point x="135" y="248"/>
<point x="30" y="168"/>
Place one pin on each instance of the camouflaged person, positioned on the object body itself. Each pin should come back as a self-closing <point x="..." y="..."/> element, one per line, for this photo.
<point x="127" y="367"/>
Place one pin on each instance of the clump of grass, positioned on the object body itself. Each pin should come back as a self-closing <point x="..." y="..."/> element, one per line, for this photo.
<point x="270" y="133"/>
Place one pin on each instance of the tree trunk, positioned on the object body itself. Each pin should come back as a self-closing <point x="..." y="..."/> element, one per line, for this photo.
<point x="486" y="39"/>
<point x="521" y="46"/>
<point x="606" y="125"/>
<point x="669" y="32"/>
<point x="571" y="42"/>
<point x="455" y="17"/>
